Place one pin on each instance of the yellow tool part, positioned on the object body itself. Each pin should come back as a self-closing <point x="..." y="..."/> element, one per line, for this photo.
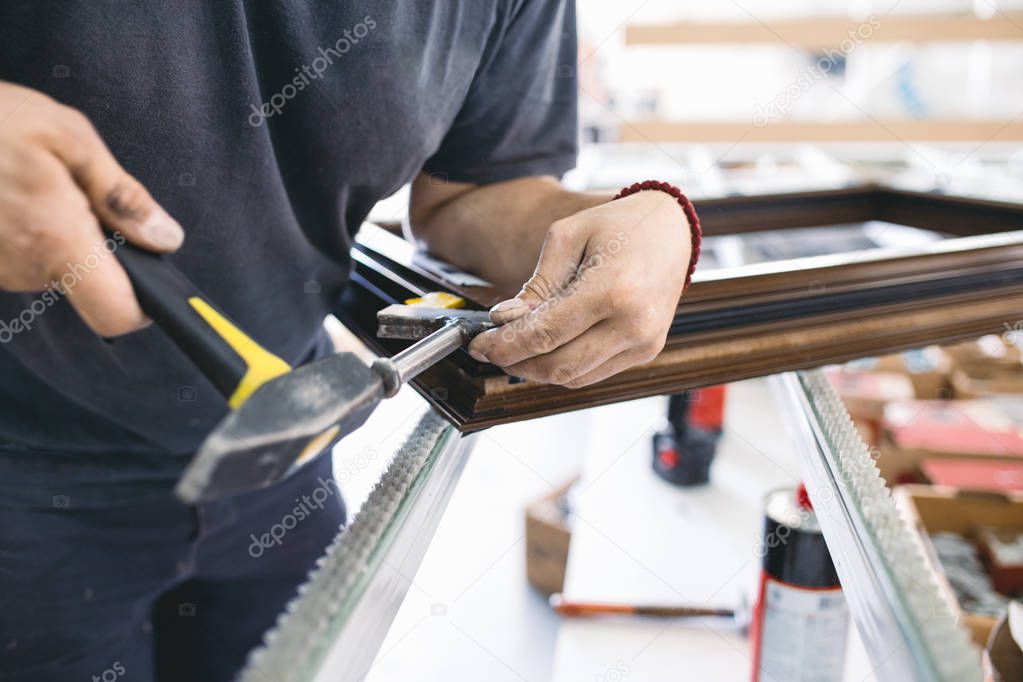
<point x="262" y="364"/>
<point x="437" y="299"/>
<point x="318" y="444"/>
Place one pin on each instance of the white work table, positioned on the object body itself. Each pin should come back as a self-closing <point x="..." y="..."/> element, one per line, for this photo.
<point x="637" y="539"/>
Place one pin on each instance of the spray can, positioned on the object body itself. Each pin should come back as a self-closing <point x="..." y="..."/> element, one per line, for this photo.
<point x="800" y="621"/>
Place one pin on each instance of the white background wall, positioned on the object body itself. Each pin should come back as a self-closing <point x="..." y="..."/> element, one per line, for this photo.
<point x="983" y="80"/>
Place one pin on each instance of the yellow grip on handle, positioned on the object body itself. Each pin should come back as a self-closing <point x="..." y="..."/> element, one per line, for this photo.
<point x="262" y="364"/>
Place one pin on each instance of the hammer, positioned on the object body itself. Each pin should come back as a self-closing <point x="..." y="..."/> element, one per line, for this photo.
<point x="282" y="417"/>
<point x="297" y="415"/>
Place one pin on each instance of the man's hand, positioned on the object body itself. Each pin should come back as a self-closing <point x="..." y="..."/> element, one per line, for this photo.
<point x="602" y="297"/>
<point x="58" y="184"/>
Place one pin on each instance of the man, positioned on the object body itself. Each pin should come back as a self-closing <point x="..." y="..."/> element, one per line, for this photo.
<point x="249" y="140"/>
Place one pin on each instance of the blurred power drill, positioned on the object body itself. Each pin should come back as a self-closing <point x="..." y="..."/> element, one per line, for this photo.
<point x="685" y="449"/>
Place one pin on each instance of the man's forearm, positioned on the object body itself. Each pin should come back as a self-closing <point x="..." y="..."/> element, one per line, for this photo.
<point x="493" y="230"/>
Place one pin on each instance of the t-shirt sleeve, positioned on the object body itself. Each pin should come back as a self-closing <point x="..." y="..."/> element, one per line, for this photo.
<point x="520" y="116"/>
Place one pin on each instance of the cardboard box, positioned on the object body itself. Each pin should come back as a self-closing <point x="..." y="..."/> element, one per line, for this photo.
<point x="928" y="369"/>
<point x="984" y="381"/>
<point x="547" y="540"/>
<point x="865" y="393"/>
<point x="933" y="509"/>
<point x="915" y="430"/>
<point x="1001" y="548"/>
<point x="987" y="351"/>
<point x="998" y="475"/>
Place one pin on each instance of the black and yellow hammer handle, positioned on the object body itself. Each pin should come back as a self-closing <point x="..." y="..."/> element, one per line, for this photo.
<point x="229" y="358"/>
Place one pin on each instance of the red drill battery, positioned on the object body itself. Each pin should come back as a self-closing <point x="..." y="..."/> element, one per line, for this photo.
<point x="800" y="621"/>
<point x="708" y="408"/>
<point x="684" y="450"/>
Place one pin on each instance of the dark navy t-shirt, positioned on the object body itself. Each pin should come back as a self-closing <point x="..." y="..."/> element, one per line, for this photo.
<point x="269" y="130"/>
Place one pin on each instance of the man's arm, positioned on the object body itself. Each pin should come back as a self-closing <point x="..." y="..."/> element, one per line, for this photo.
<point x="600" y="279"/>
<point x="493" y="230"/>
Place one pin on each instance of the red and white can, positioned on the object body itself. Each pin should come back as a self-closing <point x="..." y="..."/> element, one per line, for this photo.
<point x="800" y="621"/>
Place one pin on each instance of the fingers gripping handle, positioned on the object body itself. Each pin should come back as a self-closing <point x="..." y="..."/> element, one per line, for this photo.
<point x="229" y="358"/>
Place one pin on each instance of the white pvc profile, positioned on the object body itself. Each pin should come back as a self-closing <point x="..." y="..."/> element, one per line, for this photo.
<point x="334" y="628"/>
<point x="907" y="627"/>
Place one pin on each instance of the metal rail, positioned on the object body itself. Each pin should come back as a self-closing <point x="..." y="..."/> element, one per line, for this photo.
<point x="334" y="628"/>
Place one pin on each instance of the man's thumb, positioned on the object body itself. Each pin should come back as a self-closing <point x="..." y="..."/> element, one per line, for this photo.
<point x="555" y="271"/>
<point x="127" y="207"/>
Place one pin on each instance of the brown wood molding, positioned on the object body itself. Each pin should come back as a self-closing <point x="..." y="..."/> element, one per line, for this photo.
<point x="740" y="214"/>
<point x="868" y="201"/>
<point x="476" y="402"/>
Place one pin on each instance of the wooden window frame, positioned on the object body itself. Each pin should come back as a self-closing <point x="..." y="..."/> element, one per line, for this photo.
<point x="738" y="323"/>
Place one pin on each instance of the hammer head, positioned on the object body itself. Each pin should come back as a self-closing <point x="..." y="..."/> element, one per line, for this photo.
<point x="286" y="422"/>
<point x="294" y="417"/>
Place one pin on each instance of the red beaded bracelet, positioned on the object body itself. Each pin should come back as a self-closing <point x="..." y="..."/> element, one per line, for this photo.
<point x="687" y="208"/>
